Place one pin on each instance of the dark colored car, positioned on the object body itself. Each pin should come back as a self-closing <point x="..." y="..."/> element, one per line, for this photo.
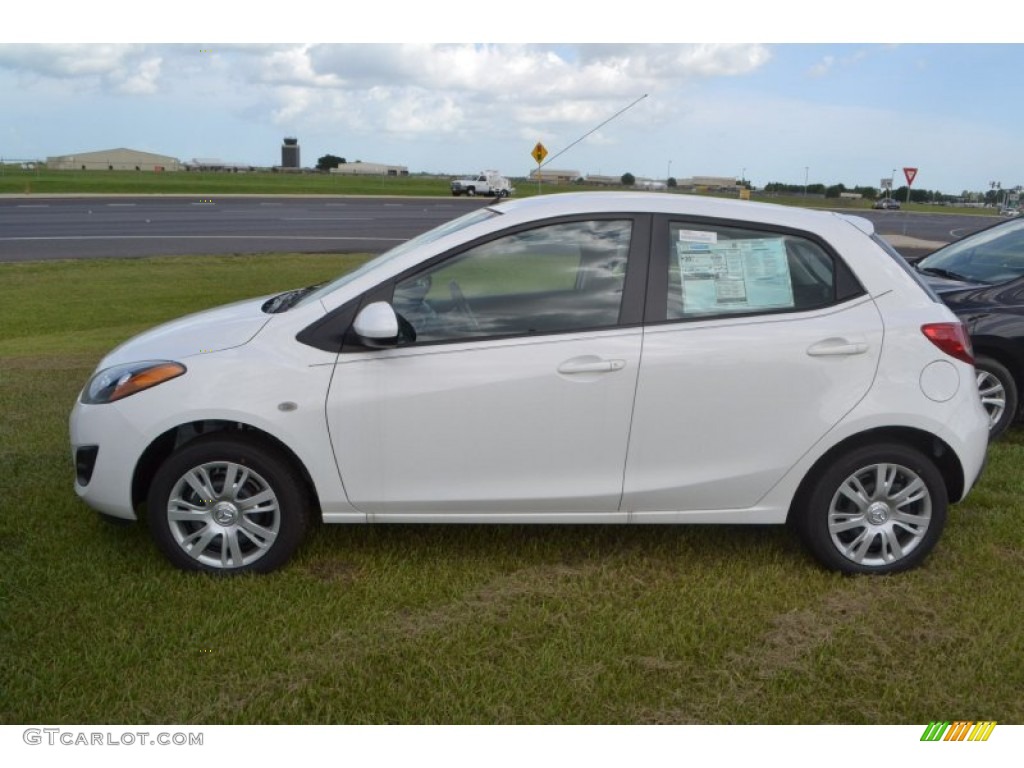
<point x="981" y="278"/>
<point x="886" y="204"/>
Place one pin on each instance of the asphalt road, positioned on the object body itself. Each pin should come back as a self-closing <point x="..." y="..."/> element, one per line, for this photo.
<point x="36" y="228"/>
<point x="71" y="228"/>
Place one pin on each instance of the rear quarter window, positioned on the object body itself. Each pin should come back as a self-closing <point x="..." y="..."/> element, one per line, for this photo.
<point x="722" y="270"/>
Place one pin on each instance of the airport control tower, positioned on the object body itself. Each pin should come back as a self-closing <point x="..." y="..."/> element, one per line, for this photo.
<point x="290" y="153"/>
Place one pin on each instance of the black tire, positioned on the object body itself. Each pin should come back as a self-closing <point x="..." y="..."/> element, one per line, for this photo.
<point x="881" y="532"/>
<point x="998" y="391"/>
<point x="236" y="533"/>
<point x="471" y="192"/>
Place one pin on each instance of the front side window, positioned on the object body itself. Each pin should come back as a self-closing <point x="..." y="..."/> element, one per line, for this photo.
<point x="553" y="279"/>
<point x="455" y="225"/>
<point x="715" y="270"/>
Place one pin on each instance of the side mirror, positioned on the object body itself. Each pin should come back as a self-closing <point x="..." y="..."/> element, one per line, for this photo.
<point x="376" y="325"/>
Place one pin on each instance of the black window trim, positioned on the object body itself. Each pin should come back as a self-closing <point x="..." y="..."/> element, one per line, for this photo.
<point x="846" y="287"/>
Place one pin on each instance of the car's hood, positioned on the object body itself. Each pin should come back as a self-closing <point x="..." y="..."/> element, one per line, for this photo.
<point x="211" y="331"/>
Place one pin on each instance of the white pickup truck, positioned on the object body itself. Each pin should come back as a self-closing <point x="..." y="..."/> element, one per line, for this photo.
<point x="489" y="183"/>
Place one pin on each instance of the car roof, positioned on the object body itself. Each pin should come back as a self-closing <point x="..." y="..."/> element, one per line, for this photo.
<point x="570" y="203"/>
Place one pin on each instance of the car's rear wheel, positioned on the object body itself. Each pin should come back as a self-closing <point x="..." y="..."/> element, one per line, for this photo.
<point x="998" y="392"/>
<point x="877" y="509"/>
<point x="227" y="505"/>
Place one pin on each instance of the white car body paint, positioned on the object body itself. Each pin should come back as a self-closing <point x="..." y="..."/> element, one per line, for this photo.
<point x="713" y="420"/>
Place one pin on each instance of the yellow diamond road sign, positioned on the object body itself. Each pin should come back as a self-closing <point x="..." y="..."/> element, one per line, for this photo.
<point x="539" y="153"/>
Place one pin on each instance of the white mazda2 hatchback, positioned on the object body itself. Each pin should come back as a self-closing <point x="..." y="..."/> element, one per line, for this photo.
<point x="576" y="358"/>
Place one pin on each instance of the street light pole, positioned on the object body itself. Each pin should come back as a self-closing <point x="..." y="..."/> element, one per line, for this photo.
<point x="807" y="170"/>
<point x="892" y="180"/>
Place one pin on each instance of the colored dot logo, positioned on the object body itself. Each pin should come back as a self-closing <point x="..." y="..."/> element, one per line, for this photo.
<point x="207" y="200"/>
<point x="206" y="650"/>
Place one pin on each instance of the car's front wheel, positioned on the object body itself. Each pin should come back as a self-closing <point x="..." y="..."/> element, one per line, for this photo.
<point x="876" y="509"/>
<point x="227" y="505"/>
<point x="998" y="392"/>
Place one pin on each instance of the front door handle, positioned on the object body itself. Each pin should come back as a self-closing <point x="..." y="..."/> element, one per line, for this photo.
<point x="590" y="365"/>
<point x="837" y="347"/>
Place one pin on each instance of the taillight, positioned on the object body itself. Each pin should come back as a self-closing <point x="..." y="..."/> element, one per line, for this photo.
<point x="951" y="338"/>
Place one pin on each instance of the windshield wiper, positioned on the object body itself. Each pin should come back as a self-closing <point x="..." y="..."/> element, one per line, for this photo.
<point x="948" y="274"/>
<point x="285" y="301"/>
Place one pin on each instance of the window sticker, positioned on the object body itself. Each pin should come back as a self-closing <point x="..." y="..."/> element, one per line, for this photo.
<point x="697" y="236"/>
<point x="734" y="275"/>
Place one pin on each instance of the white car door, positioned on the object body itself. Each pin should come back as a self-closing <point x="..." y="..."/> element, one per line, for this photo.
<point x="511" y="391"/>
<point x="762" y="342"/>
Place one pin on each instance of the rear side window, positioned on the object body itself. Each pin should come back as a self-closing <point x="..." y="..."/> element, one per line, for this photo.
<point x="717" y="270"/>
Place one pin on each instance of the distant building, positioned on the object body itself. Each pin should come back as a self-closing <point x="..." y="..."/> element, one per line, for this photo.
<point x="114" y="160"/>
<point x="216" y="164"/>
<point x="710" y="182"/>
<point x="370" y="169"/>
<point x="598" y="180"/>
<point x="290" y="153"/>
<point x="552" y="176"/>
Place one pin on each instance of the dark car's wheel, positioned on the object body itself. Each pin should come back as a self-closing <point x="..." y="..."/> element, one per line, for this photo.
<point x="998" y="392"/>
<point x="877" y="509"/>
<point x="227" y="505"/>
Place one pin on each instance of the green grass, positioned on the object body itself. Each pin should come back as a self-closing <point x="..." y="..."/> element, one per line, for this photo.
<point x="435" y="624"/>
<point x="18" y="181"/>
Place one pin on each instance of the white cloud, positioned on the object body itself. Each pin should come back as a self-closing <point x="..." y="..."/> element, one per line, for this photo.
<point x="143" y="81"/>
<point x="420" y="88"/>
<point x="823" y="67"/>
<point x="128" y="69"/>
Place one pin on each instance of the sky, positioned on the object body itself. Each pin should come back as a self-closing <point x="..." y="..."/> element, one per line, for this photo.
<point x="417" y="87"/>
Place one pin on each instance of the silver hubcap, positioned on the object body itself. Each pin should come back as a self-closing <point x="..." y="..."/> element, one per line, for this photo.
<point x="880" y="514"/>
<point x="993" y="396"/>
<point x="223" y="514"/>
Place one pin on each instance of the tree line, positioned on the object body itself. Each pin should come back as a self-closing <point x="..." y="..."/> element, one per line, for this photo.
<point x="990" y="197"/>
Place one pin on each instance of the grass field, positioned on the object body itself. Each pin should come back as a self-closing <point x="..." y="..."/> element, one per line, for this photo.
<point x="18" y="181"/>
<point x="433" y="624"/>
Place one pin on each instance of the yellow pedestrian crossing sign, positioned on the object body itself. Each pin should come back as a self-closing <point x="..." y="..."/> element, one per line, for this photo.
<point x="539" y="153"/>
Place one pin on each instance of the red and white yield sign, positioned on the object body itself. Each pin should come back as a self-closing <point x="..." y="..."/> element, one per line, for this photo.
<point x="911" y="174"/>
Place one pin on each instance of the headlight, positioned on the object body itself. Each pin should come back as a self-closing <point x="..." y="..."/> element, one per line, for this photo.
<point x="120" y="381"/>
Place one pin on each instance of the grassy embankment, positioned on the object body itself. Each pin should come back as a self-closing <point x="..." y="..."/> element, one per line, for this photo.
<point x="14" y="180"/>
<point x="406" y="624"/>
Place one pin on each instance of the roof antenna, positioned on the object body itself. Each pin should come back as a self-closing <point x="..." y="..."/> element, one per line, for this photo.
<point x="592" y="130"/>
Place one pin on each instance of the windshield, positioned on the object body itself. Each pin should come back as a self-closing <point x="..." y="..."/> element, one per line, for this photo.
<point x="429" y="236"/>
<point x="994" y="255"/>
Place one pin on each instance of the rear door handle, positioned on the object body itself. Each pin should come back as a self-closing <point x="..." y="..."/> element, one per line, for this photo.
<point x="590" y="365"/>
<point x="837" y="348"/>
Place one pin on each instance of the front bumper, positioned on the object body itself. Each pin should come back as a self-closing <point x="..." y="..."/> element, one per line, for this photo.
<point x="105" y="448"/>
